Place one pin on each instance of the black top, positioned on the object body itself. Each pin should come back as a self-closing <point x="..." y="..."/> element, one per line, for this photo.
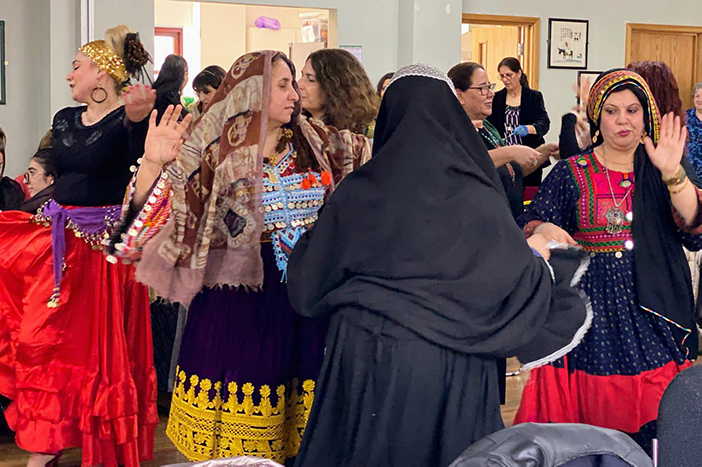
<point x="166" y="98"/>
<point x="92" y="162"/>
<point x="33" y="204"/>
<point x="421" y="235"/>
<point x="512" y="181"/>
<point x="11" y="194"/>
<point x="567" y="140"/>
<point x="532" y="111"/>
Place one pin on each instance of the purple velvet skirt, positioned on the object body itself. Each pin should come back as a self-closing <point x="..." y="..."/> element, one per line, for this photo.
<point x="246" y="372"/>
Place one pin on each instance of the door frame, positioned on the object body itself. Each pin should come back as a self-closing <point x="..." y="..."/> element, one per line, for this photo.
<point x="532" y="42"/>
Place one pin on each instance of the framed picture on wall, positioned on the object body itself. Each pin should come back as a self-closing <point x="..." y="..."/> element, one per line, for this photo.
<point x="2" y="63"/>
<point x="567" y="43"/>
<point x="585" y="81"/>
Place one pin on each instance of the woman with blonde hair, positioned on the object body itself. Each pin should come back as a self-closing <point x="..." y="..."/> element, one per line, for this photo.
<point x="76" y="354"/>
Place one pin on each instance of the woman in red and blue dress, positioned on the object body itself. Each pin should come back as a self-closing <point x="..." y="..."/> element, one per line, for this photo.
<point x="630" y="204"/>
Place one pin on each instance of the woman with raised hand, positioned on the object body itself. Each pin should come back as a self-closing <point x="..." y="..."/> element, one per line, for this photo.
<point x="75" y="333"/>
<point x="630" y="204"/>
<point x="213" y="221"/>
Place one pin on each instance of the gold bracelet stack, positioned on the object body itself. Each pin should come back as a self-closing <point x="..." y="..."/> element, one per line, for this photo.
<point x="677" y="179"/>
<point x="685" y="183"/>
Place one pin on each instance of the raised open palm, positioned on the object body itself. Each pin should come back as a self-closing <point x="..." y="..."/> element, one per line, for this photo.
<point x="668" y="154"/>
<point x="138" y="101"/>
<point x="163" y="141"/>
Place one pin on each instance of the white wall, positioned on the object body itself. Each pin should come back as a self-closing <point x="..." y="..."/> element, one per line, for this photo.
<point x="184" y="15"/>
<point x="137" y="14"/>
<point x="608" y="20"/>
<point x="436" y="34"/>
<point x="26" y="116"/>
<point x="371" y="24"/>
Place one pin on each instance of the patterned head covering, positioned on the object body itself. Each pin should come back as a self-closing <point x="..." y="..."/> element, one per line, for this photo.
<point x="213" y="237"/>
<point x="106" y="59"/>
<point x="616" y="79"/>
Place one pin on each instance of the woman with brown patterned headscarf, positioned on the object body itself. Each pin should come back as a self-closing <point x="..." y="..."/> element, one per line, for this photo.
<point x="213" y="223"/>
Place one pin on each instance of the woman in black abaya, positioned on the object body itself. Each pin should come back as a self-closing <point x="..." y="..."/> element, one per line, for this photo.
<point x="428" y="281"/>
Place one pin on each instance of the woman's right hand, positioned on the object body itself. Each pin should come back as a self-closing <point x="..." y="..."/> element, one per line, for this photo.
<point x="553" y="232"/>
<point x="539" y="243"/>
<point x="163" y="141"/>
<point x="525" y="156"/>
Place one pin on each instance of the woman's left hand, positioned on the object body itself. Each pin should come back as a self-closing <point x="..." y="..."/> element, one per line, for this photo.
<point x="668" y="154"/>
<point x="138" y="101"/>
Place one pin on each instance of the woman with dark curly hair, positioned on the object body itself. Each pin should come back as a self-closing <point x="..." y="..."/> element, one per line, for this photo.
<point x="336" y="90"/>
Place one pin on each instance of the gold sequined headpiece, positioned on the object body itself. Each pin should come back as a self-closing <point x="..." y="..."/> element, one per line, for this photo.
<point x="106" y="59"/>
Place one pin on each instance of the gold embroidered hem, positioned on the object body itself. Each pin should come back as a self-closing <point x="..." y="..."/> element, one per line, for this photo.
<point x="204" y="426"/>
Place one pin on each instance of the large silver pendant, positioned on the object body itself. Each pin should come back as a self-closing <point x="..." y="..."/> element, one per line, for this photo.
<point x="615" y="220"/>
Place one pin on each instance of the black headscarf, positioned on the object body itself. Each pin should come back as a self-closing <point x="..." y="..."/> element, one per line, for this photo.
<point x="423" y="235"/>
<point x="663" y="281"/>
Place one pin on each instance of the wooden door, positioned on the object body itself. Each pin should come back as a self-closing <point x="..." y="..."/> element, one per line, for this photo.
<point x="506" y="36"/>
<point x="677" y="46"/>
<point x="493" y="43"/>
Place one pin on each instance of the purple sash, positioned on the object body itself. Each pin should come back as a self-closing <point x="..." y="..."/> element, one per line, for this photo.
<point x="88" y="222"/>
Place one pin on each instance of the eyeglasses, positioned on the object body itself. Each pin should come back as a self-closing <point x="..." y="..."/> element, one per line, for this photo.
<point x="485" y="89"/>
<point x="506" y="76"/>
<point x="30" y="174"/>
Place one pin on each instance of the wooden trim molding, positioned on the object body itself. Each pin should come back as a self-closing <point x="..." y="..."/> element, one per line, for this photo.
<point x="533" y="37"/>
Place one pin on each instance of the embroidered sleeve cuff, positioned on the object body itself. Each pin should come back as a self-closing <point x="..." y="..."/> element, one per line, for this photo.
<point x="530" y="227"/>
<point x="696" y="226"/>
<point x="136" y="229"/>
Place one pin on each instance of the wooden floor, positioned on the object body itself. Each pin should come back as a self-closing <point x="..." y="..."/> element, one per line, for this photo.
<point x="165" y="453"/>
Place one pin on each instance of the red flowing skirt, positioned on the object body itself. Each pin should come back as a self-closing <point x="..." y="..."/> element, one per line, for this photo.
<point x="619" y="402"/>
<point x="80" y="374"/>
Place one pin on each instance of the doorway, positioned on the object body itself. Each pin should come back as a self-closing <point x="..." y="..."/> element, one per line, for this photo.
<point x="487" y="39"/>
<point x="214" y="33"/>
<point x="680" y="47"/>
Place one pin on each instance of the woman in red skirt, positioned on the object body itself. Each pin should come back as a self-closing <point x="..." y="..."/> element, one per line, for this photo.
<point x="75" y="338"/>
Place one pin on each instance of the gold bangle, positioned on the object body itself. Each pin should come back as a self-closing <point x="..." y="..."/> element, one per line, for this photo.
<point x="685" y="183"/>
<point x="678" y="178"/>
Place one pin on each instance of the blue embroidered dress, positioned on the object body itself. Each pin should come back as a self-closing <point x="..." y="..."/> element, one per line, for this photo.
<point x="694" y="128"/>
<point x="616" y="377"/>
<point x="254" y="398"/>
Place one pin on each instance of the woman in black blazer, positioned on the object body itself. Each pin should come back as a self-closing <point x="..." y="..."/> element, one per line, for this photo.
<point x="519" y="114"/>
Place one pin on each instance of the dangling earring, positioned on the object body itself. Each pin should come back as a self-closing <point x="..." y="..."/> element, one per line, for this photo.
<point x="643" y="138"/>
<point x="98" y="88"/>
<point x="595" y="137"/>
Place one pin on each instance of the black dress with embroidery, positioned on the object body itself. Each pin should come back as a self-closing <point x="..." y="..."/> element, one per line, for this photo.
<point x="92" y="162"/>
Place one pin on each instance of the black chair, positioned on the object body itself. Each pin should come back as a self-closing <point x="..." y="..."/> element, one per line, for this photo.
<point x="680" y="421"/>
<point x="555" y="445"/>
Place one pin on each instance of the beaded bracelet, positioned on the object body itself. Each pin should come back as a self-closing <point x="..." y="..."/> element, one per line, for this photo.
<point x="146" y="224"/>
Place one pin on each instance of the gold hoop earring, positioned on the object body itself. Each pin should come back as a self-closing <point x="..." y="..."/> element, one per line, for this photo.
<point x="98" y="88"/>
<point x="643" y="138"/>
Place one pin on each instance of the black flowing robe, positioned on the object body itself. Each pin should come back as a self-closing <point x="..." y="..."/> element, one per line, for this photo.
<point x="428" y="280"/>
